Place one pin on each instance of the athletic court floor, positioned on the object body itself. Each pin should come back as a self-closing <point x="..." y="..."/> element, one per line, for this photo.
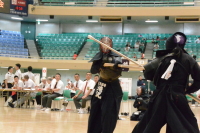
<point x="35" y="121"/>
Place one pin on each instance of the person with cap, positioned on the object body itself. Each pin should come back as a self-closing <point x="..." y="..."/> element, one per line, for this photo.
<point x="170" y="73"/>
<point x="9" y="80"/>
<point x="198" y="40"/>
<point x="106" y="100"/>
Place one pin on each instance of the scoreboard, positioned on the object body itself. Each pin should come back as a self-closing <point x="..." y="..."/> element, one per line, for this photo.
<point x="17" y="7"/>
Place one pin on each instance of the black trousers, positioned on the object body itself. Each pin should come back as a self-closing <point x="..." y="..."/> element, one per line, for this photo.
<point x="10" y="85"/>
<point x="47" y="99"/>
<point x="38" y="98"/>
<point x="14" y="97"/>
<point x="72" y="95"/>
<point x="104" y="114"/>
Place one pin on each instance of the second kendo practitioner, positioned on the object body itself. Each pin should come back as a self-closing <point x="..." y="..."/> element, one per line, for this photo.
<point x="105" y="103"/>
<point x="168" y="105"/>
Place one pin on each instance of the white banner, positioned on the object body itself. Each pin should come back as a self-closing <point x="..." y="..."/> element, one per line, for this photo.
<point x="126" y="84"/>
<point x="44" y="72"/>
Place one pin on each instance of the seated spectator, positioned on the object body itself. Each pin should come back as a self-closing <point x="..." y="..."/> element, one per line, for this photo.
<point x="18" y="85"/>
<point x="141" y="103"/>
<point x="165" y="38"/>
<point x="29" y="84"/>
<point x="75" y="56"/>
<point x="157" y="38"/>
<point x="43" y="86"/>
<point x="137" y="45"/>
<point x="57" y="90"/>
<point x="198" y="40"/>
<point x="129" y="45"/>
<point x="127" y="48"/>
<point x="156" y="46"/>
<point x="77" y="84"/>
<point x="87" y="90"/>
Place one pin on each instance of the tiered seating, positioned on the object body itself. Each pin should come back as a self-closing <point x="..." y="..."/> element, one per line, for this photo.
<point x="12" y="44"/>
<point x="148" y="3"/>
<point x="54" y="46"/>
<point x="68" y="2"/>
<point x="119" y="43"/>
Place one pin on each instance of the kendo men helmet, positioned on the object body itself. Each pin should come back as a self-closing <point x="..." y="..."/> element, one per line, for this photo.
<point x="108" y="41"/>
<point x="177" y="39"/>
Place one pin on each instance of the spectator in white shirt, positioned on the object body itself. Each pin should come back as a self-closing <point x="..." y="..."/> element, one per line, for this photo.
<point x="137" y="45"/>
<point x="96" y="78"/>
<point x="43" y="86"/>
<point x="127" y="48"/>
<point x="18" y="85"/>
<point x="87" y="90"/>
<point x="57" y="90"/>
<point x="77" y="84"/>
<point x="198" y="40"/>
<point x="18" y="71"/>
<point x="30" y="74"/>
<point x="29" y="84"/>
<point x="156" y="46"/>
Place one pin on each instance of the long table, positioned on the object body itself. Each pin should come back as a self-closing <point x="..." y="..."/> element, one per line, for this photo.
<point x="22" y="91"/>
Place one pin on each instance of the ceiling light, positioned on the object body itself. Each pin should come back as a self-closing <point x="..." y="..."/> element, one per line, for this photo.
<point x="38" y="22"/>
<point x="62" y="69"/>
<point x="92" y="21"/>
<point x="151" y="21"/>
<point x="44" y="20"/>
<point x="17" y="18"/>
<point x="4" y="67"/>
<point x="188" y="3"/>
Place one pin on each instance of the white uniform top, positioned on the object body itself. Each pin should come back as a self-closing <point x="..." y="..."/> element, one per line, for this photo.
<point x="19" y="84"/>
<point x="29" y="84"/>
<point x="44" y="86"/>
<point x="90" y="86"/>
<point x="79" y="85"/>
<point x="30" y="75"/>
<point x="60" y="85"/>
<point x="9" y="77"/>
<point x="136" y="45"/>
<point x="53" y="82"/>
<point x="19" y="74"/>
<point x="198" y="40"/>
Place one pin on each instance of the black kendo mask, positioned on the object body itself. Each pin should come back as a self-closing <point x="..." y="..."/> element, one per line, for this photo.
<point x="177" y="39"/>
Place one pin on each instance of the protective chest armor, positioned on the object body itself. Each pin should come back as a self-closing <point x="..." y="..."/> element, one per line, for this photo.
<point x="109" y="74"/>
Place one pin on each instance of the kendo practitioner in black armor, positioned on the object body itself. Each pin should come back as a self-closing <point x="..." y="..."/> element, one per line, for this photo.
<point x="105" y="103"/>
<point x="168" y="105"/>
<point x="141" y="103"/>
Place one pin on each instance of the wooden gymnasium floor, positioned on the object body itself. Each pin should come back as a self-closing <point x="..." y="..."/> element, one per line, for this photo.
<point x="35" y="121"/>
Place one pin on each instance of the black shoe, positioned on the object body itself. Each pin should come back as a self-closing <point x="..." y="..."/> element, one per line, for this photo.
<point x="88" y="109"/>
<point x="11" y="105"/>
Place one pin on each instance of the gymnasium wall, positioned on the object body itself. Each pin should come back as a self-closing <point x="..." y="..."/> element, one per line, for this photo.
<point x="47" y="28"/>
<point x="107" y="28"/>
<point x="10" y="25"/>
<point x="70" y="75"/>
<point x="104" y="28"/>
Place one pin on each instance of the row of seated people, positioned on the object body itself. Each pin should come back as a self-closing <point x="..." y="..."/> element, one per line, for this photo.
<point x="51" y="88"/>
